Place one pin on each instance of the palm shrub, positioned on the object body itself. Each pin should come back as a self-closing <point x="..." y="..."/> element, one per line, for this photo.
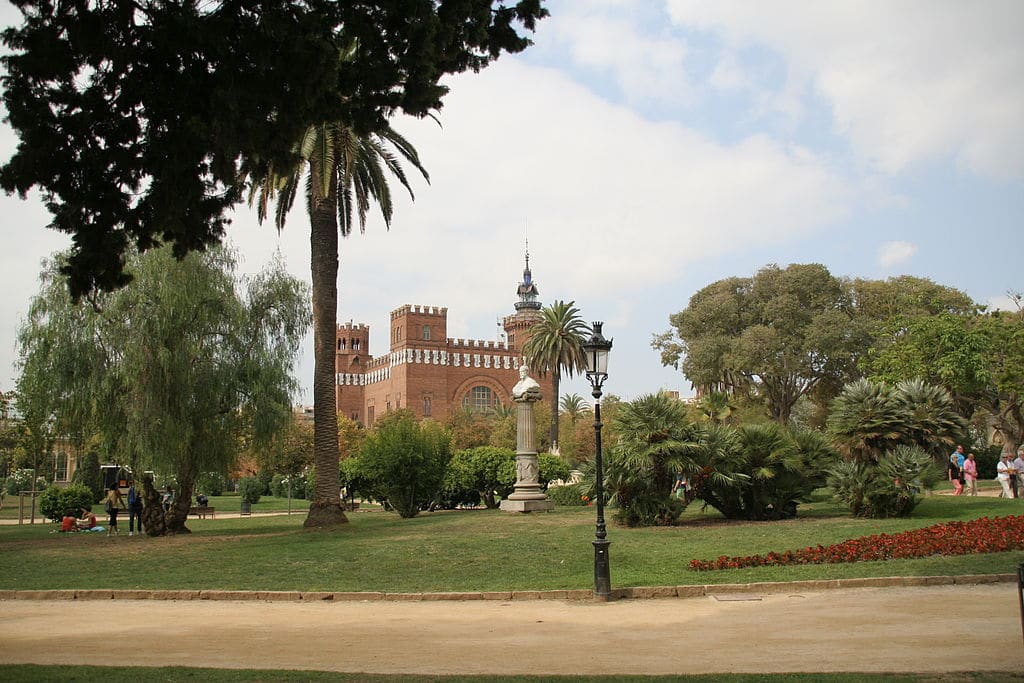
<point x="884" y="432"/>
<point x="402" y="462"/>
<point x="772" y="470"/>
<point x="889" y="488"/>
<point x="54" y="501"/>
<point x="652" y="434"/>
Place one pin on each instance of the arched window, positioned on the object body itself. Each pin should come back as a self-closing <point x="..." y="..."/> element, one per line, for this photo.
<point x="479" y="399"/>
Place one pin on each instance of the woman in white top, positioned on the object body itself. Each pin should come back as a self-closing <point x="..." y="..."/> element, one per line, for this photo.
<point x="1003" y="475"/>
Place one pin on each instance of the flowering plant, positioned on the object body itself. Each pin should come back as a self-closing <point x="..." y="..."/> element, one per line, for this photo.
<point x="984" y="535"/>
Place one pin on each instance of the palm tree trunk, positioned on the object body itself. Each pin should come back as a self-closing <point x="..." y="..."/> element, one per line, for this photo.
<point x="325" y="509"/>
<point x="554" y="410"/>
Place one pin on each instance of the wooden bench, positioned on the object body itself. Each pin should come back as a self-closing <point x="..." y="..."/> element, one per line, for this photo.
<point x="201" y="512"/>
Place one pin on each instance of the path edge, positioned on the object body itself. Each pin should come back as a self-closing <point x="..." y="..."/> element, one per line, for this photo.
<point x="629" y="593"/>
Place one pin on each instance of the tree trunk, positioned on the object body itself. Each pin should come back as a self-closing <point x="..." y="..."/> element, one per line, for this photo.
<point x="325" y="509"/>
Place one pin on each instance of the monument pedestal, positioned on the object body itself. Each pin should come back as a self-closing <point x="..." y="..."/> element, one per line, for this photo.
<point x="537" y="505"/>
<point x="527" y="495"/>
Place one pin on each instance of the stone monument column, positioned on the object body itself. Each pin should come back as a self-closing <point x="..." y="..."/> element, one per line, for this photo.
<point x="527" y="495"/>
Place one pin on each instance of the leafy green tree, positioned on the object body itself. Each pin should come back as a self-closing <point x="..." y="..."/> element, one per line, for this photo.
<point x="192" y="98"/>
<point x="556" y="345"/>
<point x="288" y="452"/>
<point x="488" y="471"/>
<point x="402" y="462"/>
<point x="172" y="370"/>
<point x="908" y="297"/>
<point x="87" y="473"/>
<point x="469" y="428"/>
<point x="136" y="132"/>
<point x="785" y="333"/>
<point x="978" y="358"/>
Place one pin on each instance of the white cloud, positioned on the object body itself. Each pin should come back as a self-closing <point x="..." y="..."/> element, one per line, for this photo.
<point x="895" y="253"/>
<point x="907" y="82"/>
<point x="645" y="66"/>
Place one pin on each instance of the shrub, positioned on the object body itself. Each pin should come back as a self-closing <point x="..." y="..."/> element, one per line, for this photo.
<point x="779" y="470"/>
<point x="483" y="473"/>
<point x="55" y="501"/>
<point x="402" y="462"/>
<point x="551" y="467"/>
<point x="569" y="494"/>
<point x="652" y="433"/>
<point x="212" y="483"/>
<point x="21" y="480"/>
<point x="889" y="488"/>
<point x="250" y="489"/>
<point x="987" y="458"/>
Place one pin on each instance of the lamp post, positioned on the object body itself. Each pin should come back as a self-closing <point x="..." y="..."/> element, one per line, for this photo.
<point x="596" y="349"/>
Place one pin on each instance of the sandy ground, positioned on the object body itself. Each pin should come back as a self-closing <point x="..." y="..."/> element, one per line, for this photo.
<point x="922" y="629"/>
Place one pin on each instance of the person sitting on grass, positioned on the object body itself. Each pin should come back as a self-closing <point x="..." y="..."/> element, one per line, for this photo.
<point x="88" y="520"/>
<point x="68" y="523"/>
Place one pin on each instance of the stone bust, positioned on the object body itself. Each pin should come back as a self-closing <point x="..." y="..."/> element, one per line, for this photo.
<point x="526" y="389"/>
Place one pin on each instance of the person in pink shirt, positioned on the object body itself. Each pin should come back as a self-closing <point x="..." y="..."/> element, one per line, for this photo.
<point x="971" y="474"/>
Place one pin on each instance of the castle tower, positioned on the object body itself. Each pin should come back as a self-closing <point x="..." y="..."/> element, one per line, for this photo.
<point x="527" y="310"/>
<point x="351" y="356"/>
<point x="419" y="326"/>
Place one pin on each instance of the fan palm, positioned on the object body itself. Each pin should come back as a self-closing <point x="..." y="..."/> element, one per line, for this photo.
<point x="575" y="407"/>
<point x="345" y="172"/>
<point x="556" y="344"/>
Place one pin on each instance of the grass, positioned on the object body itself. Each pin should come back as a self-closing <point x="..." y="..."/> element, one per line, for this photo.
<point x="30" y="673"/>
<point x="475" y="550"/>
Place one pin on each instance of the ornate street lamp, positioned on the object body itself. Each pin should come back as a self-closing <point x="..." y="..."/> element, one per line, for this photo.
<point x="596" y="349"/>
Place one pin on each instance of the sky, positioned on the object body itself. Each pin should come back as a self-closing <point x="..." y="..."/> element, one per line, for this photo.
<point x="647" y="148"/>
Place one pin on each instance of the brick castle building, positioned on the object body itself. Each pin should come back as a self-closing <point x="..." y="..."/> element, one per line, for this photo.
<point x="428" y="372"/>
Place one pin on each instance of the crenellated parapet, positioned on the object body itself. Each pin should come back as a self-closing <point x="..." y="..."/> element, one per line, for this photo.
<point x="477" y="344"/>
<point x="415" y="309"/>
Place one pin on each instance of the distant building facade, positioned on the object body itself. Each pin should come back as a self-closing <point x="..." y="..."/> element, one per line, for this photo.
<point x="427" y="371"/>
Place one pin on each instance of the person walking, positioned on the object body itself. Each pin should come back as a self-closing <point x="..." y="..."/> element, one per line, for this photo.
<point x="134" y="510"/>
<point x="971" y="474"/>
<point x="1017" y="474"/>
<point x="1003" y="475"/>
<point x="113" y="504"/>
<point x="954" y="473"/>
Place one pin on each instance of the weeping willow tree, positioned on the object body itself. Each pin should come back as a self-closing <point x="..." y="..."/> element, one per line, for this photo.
<point x="171" y="371"/>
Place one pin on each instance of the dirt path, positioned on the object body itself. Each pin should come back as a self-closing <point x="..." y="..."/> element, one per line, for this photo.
<point x="923" y="629"/>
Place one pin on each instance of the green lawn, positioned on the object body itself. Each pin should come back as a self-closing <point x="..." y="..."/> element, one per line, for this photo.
<point x="468" y="551"/>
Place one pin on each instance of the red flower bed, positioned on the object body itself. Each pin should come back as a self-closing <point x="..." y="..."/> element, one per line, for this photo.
<point x="951" y="538"/>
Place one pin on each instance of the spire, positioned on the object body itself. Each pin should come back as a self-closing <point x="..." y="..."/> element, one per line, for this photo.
<point x="527" y="291"/>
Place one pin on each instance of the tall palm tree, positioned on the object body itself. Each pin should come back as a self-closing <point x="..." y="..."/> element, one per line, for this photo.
<point x="556" y="344"/>
<point x="345" y="172"/>
<point x="575" y="407"/>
